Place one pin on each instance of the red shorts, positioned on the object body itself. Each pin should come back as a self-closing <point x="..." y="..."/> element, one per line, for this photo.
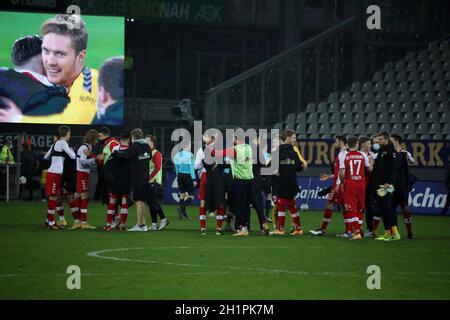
<point x="82" y="182"/>
<point x="354" y="198"/>
<point x="202" y="187"/>
<point x="53" y="184"/>
<point x="336" y="197"/>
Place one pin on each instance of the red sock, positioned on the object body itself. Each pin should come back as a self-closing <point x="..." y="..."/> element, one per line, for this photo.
<point x="110" y="213"/>
<point x="327" y="214"/>
<point x="355" y="222"/>
<point x="124" y="214"/>
<point x="51" y="205"/>
<point x="348" y="222"/>
<point x="59" y="208"/>
<point x="219" y="217"/>
<point x="408" y="221"/>
<point x="376" y="222"/>
<point x="74" y="209"/>
<point x="296" y="219"/>
<point x="83" y="209"/>
<point x="281" y="220"/>
<point x="360" y="219"/>
<point x="202" y="214"/>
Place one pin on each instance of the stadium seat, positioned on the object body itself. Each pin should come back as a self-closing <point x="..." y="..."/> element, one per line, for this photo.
<point x="411" y="136"/>
<point x="434" y="128"/>
<point x="439" y="86"/>
<point x="313" y="136"/>
<point x="380" y="97"/>
<point x="324" y="128"/>
<point x="429" y="96"/>
<point x="312" y="118"/>
<point x="356" y="87"/>
<point x="378" y="76"/>
<point x="345" y="97"/>
<point x="289" y="126"/>
<point x="446" y="128"/>
<point x="334" y="107"/>
<point x="426" y="86"/>
<point x="312" y="128"/>
<point x="385" y="127"/>
<point x="431" y="107"/>
<point x="383" y="118"/>
<point x="414" y="86"/>
<point x="422" y="129"/>
<point x="389" y="76"/>
<point x="333" y="97"/>
<point x="395" y="118"/>
<point x="360" y="128"/>
<point x="311" y="107"/>
<point x="397" y="128"/>
<point x="336" y="129"/>
<point x="323" y="117"/>
<point x="368" y="97"/>
<point x="423" y="66"/>
<point x="381" y="108"/>
<point x="322" y="107"/>
<point x="348" y="128"/>
<point x="411" y="66"/>
<point x="346" y="108"/>
<point x="420" y="118"/>
<point x="409" y="128"/>
<point x="394" y="107"/>
<point x="405" y="107"/>
<point x="391" y="86"/>
<point x="445" y="118"/>
<point x="443" y="108"/>
<point x="399" y="66"/>
<point x="410" y="56"/>
<point x="433" y="117"/>
<point x="335" y="117"/>
<point x="379" y="86"/>
<point x="291" y="118"/>
<point x="367" y="87"/>
<point x="401" y="76"/>
<point x="278" y="126"/>
<point x="404" y="97"/>
<point x="301" y="118"/>
<point x="388" y="67"/>
<point x="346" y="117"/>
<point x="408" y="118"/>
<point x="358" y="117"/>
<point x="417" y="108"/>
<point x="356" y="97"/>
<point x="403" y="87"/>
<point x="302" y="136"/>
<point x="441" y="96"/>
<point x="438" y="75"/>
<point x="392" y="97"/>
<point x="437" y="136"/>
<point x="424" y="136"/>
<point x="358" y="107"/>
<point x="417" y="97"/>
<point x="301" y="128"/>
<point x="371" y="118"/>
<point x="372" y="129"/>
<point x="369" y="107"/>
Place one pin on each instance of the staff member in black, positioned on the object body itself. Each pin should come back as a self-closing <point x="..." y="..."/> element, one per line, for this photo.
<point x="139" y="156"/>
<point x="382" y="185"/>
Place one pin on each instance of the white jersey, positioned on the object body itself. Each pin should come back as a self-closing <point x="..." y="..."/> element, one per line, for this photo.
<point x="199" y="157"/>
<point x="56" y="153"/>
<point x="340" y="160"/>
<point x="83" y="163"/>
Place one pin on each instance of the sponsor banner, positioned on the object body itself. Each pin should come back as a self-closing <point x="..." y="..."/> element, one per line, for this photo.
<point x="427" y="197"/>
<point x="428" y="153"/>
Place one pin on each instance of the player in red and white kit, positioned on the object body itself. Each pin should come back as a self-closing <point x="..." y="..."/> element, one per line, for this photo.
<point x="352" y="172"/>
<point x="335" y="196"/>
<point x="57" y="154"/>
<point x="84" y="163"/>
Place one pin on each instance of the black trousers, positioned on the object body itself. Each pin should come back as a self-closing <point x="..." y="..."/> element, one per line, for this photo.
<point x="387" y="212"/>
<point x="153" y="204"/>
<point x="242" y="196"/>
<point x="371" y="208"/>
<point x="257" y="202"/>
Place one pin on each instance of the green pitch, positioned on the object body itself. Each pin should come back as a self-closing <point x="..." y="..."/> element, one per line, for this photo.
<point x="180" y="264"/>
<point x="106" y="35"/>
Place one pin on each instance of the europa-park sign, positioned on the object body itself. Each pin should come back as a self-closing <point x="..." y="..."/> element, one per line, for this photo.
<point x="182" y="11"/>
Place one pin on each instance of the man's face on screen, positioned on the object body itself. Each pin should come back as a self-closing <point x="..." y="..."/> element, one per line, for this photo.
<point x="61" y="62"/>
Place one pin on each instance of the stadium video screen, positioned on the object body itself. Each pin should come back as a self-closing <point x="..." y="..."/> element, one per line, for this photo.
<point x="61" y="69"/>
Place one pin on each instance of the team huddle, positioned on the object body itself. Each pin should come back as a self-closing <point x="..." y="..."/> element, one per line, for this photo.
<point x="367" y="178"/>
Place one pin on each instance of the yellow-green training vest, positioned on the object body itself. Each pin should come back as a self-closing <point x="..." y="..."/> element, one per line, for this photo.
<point x="158" y="178"/>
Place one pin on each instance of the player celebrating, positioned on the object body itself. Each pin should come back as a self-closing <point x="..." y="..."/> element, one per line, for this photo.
<point x="286" y="181"/>
<point x="352" y="167"/>
<point x="57" y="154"/>
<point x="335" y="196"/>
<point x="84" y="163"/>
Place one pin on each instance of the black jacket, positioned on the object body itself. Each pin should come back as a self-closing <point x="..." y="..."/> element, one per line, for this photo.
<point x="285" y="182"/>
<point x="385" y="168"/>
<point x="139" y="156"/>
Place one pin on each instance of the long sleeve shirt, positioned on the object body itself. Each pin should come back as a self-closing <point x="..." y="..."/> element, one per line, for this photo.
<point x="57" y="155"/>
<point x="184" y="163"/>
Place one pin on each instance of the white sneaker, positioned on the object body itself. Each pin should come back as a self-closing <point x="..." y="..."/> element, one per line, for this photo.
<point x="164" y="223"/>
<point x="115" y="223"/>
<point x="212" y="214"/>
<point x="368" y="234"/>
<point x="154" y="227"/>
<point x="136" y="228"/>
<point x="144" y="228"/>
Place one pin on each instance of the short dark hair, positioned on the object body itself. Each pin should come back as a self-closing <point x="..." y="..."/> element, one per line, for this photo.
<point x="68" y="25"/>
<point x="105" y="131"/>
<point x="384" y="134"/>
<point x="90" y="136"/>
<point x="63" y="131"/>
<point x="353" y="142"/>
<point x="288" y="133"/>
<point x="26" y="48"/>
<point x="341" y="138"/>
<point x="397" y="138"/>
<point x="111" y="77"/>
<point x="363" y="140"/>
<point x="152" y="138"/>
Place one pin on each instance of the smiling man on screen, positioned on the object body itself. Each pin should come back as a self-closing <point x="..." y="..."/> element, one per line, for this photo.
<point x="64" y="45"/>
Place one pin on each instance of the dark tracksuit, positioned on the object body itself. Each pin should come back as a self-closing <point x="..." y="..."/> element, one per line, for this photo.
<point x="384" y="171"/>
<point x="256" y="199"/>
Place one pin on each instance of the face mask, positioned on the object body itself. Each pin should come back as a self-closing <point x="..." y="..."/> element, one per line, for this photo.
<point x="376" y="147"/>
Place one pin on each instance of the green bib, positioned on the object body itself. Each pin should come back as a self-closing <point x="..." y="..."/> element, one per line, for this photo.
<point x="242" y="164"/>
<point x="158" y="178"/>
